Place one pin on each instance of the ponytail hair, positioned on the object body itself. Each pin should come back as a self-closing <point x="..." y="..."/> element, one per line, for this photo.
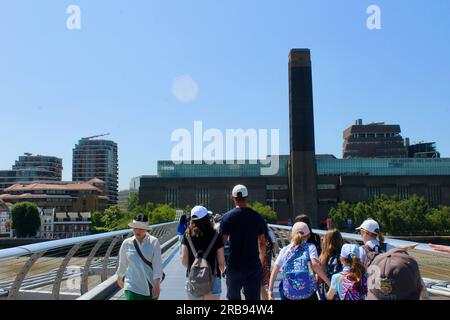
<point x="380" y="236"/>
<point x="297" y="239"/>
<point x="357" y="269"/>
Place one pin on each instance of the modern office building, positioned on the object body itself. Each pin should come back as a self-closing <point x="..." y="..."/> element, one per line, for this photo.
<point x="306" y="182"/>
<point x="61" y="196"/>
<point x="95" y="158"/>
<point x="11" y="177"/>
<point x="350" y="180"/>
<point x="31" y="168"/>
<point x="51" y="164"/>
<point x="374" y="140"/>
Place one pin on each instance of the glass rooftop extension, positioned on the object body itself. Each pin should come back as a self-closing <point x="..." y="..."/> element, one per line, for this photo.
<point x="326" y="166"/>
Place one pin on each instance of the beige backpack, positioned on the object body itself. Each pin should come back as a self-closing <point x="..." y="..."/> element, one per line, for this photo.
<point x="201" y="276"/>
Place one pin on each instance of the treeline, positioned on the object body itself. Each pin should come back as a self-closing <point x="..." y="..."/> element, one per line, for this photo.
<point x="116" y="218"/>
<point x="395" y="216"/>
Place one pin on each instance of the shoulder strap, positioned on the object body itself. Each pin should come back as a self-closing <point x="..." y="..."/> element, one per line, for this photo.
<point x="205" y="255"/>
<point x="147" y="262"/>
<point x="191" y="245"/>
<point x="211" y="244"/>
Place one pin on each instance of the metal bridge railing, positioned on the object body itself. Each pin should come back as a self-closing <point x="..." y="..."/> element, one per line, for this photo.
<point x="434" y="266"/>
<point x="67" y="268"/>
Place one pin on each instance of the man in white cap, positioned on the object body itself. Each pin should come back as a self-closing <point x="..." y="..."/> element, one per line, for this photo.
<point x="245" y="230"/>
<point x="140" y="265"/>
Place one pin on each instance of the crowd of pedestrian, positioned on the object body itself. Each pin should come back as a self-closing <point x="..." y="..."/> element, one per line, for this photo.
<point x="240" y="246"/>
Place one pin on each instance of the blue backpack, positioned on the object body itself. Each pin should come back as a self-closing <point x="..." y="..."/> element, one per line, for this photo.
<point x="298" y="280"/>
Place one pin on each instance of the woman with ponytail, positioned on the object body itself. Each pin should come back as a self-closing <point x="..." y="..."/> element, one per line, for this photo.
<point x="351" y="283"/>
<point x="373" y="242"/>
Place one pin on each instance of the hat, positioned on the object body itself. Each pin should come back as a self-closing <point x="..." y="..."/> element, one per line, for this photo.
<point x="198" y="212"/>
<point x="300" y="227"/>
<point x="210" y="212"/>
<point x="369" y="225"/>
<point x="140" y="222"/>
<point x="240" y="191"/>
<point x="349" y="250"/>
<point x="397" y="277"/>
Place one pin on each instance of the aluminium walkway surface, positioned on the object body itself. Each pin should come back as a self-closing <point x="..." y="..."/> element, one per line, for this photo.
<point x="173" y="287"/>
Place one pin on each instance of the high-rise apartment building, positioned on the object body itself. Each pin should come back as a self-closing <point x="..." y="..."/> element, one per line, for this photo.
<point x="95" y="158"/>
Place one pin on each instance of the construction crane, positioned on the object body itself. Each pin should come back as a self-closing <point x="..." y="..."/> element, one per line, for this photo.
<point x="98" y="136"/>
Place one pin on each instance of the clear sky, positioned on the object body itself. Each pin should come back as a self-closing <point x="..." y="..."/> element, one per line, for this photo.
<point x="117" y="73"/>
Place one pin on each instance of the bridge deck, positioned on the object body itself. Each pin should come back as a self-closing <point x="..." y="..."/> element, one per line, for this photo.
<point x="173" y="287"/>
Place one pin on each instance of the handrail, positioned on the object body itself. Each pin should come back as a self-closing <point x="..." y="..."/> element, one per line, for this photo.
<point x="50" y="261"/>
<point x="54" y="244"/>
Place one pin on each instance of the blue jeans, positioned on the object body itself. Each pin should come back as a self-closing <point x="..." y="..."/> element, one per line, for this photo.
<point x="249" y="280"/>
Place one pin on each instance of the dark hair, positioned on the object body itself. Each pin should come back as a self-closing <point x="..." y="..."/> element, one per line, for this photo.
<point x="305" y="219"/>
<point x="198" y="228"/>
<point x="141" y="217"/>
<point x="183" y="218"/>
<point x="331" y="246"/>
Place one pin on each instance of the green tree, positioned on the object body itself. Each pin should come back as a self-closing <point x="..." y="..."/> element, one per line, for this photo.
<point x="25" y="219"/>
<point x="395" y="216"/>
<point x="132" y="201"/>
<point x="162" y="213"/>
<point x="340" y="214"/>
<point x="112" y="217"/>
<point x="96" y="218"/>
<point x="439" y="220"/>
<point x="265" y="211"/>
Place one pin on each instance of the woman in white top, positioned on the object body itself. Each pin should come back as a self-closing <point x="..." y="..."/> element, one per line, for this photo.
<point x="140" y="281"/>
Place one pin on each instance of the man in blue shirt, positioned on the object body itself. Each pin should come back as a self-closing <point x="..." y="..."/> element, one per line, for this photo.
<point x="244" y="228"/>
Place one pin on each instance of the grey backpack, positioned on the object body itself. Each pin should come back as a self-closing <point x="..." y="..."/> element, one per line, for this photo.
<point x="201" y="276"/>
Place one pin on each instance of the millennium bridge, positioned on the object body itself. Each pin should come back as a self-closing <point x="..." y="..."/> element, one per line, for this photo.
<point x="83" y="268"/>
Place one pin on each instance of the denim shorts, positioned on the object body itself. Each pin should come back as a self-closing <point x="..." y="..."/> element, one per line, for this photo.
<point x="217" y="289"/>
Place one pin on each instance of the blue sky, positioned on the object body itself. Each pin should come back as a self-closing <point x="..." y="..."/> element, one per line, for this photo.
<point x="116" y="73"/>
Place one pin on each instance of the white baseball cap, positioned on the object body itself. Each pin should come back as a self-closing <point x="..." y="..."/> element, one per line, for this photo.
<point x="240" y="191"/>
<point x="369" y="225"/>
<point x="198" y="212"/>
